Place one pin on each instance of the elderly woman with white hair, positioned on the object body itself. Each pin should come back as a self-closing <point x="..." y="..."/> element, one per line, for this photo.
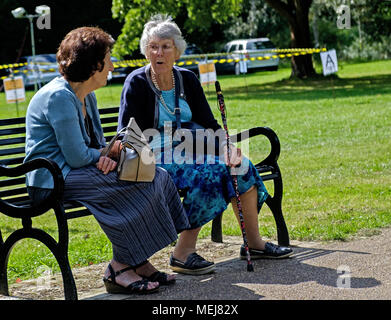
<point x="152" y="94"/>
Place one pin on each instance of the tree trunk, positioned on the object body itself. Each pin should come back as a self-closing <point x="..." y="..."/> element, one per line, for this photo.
<point x="296" y="13"/>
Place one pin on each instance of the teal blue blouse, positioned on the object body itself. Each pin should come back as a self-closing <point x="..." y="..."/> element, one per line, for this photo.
<point x="169" y="99"/>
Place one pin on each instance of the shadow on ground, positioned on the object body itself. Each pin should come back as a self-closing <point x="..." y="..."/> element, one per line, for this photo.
<point x="231" y="281"/>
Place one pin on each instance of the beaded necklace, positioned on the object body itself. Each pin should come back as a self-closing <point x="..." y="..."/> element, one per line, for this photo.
<point x="161" y="96"/>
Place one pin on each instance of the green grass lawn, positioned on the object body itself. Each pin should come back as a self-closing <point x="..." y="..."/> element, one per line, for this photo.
<point x="335" y="158"/>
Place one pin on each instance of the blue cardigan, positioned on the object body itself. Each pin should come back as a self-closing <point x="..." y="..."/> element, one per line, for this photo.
<point x="55" y="130"/>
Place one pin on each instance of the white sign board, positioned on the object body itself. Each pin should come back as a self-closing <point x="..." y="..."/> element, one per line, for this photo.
<point x="242" y="66"/>
<point x="329" y="62"/>
<point x="14" y="89"/>
<point x="207" y="73"/>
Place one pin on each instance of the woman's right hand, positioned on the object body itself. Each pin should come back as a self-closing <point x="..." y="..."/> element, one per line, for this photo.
<point x="236" y="156"/>
<point x="106" y="164"/>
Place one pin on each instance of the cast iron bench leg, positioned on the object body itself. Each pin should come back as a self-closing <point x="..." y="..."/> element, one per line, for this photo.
<point x="3" y="269"/>
<point x="61" y="253"/>
<point x="217" y="232"/>
<point x="274" y="204"/>
<point x="59" y="250"/>
<point x="282" y="231"/>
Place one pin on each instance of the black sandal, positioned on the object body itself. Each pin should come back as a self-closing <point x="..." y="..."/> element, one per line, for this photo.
<point x="160" y="277"/>
<point x="137" y="287"/>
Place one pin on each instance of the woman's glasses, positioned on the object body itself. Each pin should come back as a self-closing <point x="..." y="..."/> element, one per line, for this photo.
<point x="165" y="48"/>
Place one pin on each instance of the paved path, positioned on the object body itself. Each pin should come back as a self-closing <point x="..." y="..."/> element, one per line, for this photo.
<point x="359" y="269"/>
<point x="354" y="270"/>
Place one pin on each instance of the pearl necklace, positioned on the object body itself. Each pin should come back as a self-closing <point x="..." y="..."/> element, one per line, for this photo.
<point x="161" y="96"/>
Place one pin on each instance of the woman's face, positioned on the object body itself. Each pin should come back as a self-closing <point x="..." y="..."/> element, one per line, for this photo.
<point x="162" y="54"/>
<point x="100" y="77"/>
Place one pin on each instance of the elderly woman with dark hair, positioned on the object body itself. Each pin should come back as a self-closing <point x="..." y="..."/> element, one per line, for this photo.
<point x="151" y="95"/>
<point x="63" y="124"/>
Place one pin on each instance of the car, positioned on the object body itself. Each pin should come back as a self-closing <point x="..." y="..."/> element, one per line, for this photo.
<point x="257" y="51"/>
<point x="190" y="58"/>
<point x="38" y="70"/>
<point x="121" y="69"/>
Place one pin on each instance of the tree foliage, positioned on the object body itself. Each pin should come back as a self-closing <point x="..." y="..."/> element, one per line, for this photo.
<point x="374" y="16"/>
<point x="193" y="17"/>
<point x="367" y="34"/>
<point x="256" y="20"/>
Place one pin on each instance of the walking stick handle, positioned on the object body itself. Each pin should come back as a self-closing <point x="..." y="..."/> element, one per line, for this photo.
<point x="218" y="88"/>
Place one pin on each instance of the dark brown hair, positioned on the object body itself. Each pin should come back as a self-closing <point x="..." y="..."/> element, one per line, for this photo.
<point x="82" y="53"/>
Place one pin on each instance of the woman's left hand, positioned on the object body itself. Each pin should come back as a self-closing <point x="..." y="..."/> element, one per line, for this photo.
<point x="106" y="164"/>
<point x="236" y="156"/>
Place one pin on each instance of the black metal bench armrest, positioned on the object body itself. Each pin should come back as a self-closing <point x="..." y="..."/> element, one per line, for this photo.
<point x="270" y="134"/>
<point x="31" y="210"/>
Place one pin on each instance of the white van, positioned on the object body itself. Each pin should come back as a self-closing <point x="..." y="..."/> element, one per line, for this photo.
<point x="252" y="49"/>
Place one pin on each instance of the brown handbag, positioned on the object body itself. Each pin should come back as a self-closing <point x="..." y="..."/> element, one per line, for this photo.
<point x="136" y="160"/>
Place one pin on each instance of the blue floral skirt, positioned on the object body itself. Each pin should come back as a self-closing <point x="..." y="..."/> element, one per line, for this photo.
<point x="208" y="183"/>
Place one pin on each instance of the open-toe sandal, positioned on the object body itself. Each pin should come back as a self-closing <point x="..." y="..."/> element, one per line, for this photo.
<point x="137" y="287"/>
<point x="160" y="277"/>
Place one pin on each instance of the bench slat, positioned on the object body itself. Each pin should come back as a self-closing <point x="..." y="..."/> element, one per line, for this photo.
<point x="13" y="192"/>
<point x="7" y="162"/>
<point x="270" y="176"/>
<point x="110" y="129"/>
<point x="9" y="141"/>
<point x="11" y="151"/>
<point x="72" y="204"/>
<point x="109" y="110"/>
<point x="12" y="182"/>
<point x="7" y="122"/>
<point x="111" y="120"/>
<point x="12" y="131"/>
<point x="21" y="200"/>
<point x="77" y="214"/>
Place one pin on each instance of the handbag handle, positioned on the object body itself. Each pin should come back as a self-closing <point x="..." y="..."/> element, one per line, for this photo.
<point x="133" y="133"/>
<point x="106" y="150"/>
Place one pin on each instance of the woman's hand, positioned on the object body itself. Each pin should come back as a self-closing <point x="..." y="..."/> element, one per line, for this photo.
<point x="236" y="156"/>
<point x="106" y="164"/>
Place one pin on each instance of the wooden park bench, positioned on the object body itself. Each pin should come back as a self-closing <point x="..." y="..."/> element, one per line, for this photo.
<point x="15" y="202"/>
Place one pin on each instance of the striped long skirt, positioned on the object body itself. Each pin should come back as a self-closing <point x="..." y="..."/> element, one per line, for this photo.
<point x="138" y="218"/>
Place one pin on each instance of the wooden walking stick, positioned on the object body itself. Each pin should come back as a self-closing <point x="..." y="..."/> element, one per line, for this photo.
<point x="222" y="108"/>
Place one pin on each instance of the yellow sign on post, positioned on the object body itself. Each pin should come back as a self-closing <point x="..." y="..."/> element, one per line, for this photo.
<point x="14" y="89"/>
<point x="207" y="73"/>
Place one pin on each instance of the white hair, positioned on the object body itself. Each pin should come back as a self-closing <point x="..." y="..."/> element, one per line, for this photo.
<point x="162" y="26"/>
